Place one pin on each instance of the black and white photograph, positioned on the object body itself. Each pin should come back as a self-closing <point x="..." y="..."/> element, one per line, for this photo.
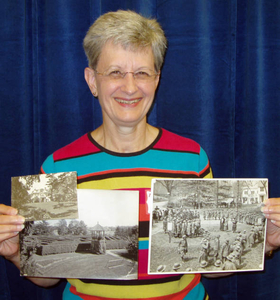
<point x="46" y="196"/>
<point x="101" y="244"/>
<point x="207" y="225"/>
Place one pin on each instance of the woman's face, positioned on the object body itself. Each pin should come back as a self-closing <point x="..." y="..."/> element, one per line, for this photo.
<point x="126" y="101"/>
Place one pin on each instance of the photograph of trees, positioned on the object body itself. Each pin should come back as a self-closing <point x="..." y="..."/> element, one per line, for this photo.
<point x="46" y="196"/>
<point x="101" y="244"/>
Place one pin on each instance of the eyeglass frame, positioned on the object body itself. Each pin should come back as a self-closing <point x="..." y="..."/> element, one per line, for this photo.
<point x="123" y="74"/>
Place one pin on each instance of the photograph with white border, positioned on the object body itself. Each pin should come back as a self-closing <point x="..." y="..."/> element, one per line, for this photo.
<point x="101" y="244"/>
<point x="207" y="225"/>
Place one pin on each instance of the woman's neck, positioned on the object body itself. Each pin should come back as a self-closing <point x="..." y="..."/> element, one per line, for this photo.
<point x="125" y="139"/>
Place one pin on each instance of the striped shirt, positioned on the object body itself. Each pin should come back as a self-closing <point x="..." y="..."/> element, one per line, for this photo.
<point x="169" y="156"/>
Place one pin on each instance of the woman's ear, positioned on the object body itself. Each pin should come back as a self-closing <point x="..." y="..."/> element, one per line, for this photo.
<point x="90" y="79"/>
<point x="157" y="80"/>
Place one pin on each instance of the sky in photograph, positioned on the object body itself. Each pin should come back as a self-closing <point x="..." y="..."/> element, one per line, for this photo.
<point x="108" y="207"/>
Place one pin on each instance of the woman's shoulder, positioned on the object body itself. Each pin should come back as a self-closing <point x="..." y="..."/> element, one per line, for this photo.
<point x="79" y="147"/>
<point x="172" y="141"/>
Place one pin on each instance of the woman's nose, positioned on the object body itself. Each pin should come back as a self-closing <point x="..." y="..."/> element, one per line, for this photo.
<point x="129" y="84"/>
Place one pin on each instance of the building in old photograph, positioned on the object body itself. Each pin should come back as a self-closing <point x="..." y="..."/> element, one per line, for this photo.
<point x="98" y="244"/>
<point x="253" y="195"/>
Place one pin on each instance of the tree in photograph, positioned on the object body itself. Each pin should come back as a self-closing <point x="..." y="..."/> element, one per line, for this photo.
<point x="225" y="193"/>
<point x="76" y="227"/>
<point x="121" y="231"/>
<point x="21" y="187"/>
<point x="62" y="227"/>
<point x="264" y="185"/>
<point x="41" y="228"/>
<point x="132" y="246"/>
<point x="51" y="186"/>
<point x="28" y="228"/>
<point x="83" y="228"/>
<point x="61" y="187"/>
<point x="169" y="185"/>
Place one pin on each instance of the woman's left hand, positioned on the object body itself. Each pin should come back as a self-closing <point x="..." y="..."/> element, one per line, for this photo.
<point x="271" y="210"/>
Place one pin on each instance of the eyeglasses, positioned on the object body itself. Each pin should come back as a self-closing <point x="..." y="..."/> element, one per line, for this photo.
<point x="139" y="76"/>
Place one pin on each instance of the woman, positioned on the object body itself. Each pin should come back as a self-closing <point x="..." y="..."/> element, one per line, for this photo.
<point x="125" y="53"/>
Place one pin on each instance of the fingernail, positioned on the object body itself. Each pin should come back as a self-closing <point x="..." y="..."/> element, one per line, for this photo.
<point x="20" y="227"/>
<point x="21" y="219"/>
<point x="264" y="209"/>
<point x="13" y="211"/>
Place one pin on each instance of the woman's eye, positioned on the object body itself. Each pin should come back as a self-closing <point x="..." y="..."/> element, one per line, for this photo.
<point x="142" y="74"/>
<point x="115" y="73"/>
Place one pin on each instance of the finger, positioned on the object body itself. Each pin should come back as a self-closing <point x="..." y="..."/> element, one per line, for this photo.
<point x="7" y="236"/>
<point x="272" y="222"/>
<point x="277" y="223"/>
<point x="271" y="201"/>
<point x="8" y="210"/>
<point x="271" y="206"/>
<point x="273" y="218"/>
<point x="10" y="229"/>
<point x="7" y="219"/>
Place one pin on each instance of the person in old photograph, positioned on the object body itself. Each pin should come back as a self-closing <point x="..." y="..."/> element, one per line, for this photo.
<point x="125" y="53"/>
<point x="234" y="225"/>
<point x="229" y="264"/>
<point x="216" y="249"/>
<point x="164" y="224"/>
<point x="251" y="237"/>
<point x="183" y="248"/>
<point x="225" y="250"/>
<point x="204" y="252"/>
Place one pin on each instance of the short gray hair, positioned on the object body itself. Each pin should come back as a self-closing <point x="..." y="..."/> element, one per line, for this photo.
<point x="128" y="28"/>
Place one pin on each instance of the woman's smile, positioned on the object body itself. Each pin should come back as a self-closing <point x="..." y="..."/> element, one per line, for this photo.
<point x="128" y="102"/>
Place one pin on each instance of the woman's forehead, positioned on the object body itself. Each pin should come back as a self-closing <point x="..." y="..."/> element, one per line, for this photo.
<point x="116" y="54"/>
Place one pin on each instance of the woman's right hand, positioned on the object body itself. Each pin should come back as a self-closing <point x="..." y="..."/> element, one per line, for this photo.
<point x="10" y="225"/>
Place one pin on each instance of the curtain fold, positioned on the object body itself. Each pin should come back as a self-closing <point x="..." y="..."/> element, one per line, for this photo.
<point x="219" y="86"/>
<point x="196" y="93"/>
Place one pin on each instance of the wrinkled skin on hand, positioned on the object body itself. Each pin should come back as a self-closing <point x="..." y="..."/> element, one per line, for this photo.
<point x="271" y="210"/>
<point x="10" y="225"/>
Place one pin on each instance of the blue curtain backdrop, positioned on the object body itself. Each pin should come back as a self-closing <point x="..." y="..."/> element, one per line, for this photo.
<point x="219" y="85"/>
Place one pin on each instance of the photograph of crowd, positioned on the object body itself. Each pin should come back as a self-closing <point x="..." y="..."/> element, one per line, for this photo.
<point x="46" y="196"/>
<point x="207" y="225"/>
